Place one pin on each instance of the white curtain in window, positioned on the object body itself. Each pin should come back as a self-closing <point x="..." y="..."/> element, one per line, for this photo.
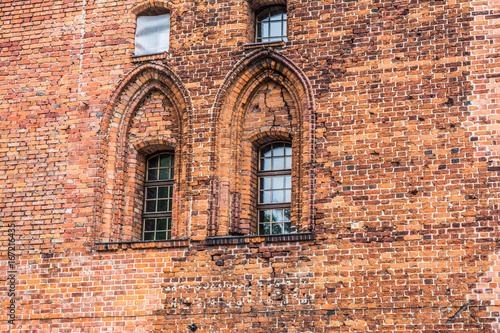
<point x="152" y="34"/>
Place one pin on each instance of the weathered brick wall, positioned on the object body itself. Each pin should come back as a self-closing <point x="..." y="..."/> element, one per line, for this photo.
<point x="391" y="108"/>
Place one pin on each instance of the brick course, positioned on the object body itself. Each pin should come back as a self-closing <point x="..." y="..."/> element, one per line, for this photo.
<point x="391" y="110"/>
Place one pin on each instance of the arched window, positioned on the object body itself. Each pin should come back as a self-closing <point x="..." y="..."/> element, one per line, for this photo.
<point x="275" y="188"/>
<point x="158" y="195"/>
<point x="271" y="25"/>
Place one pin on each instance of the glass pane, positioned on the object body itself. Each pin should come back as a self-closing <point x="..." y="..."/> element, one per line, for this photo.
<point x="275" y="29"/>
<point x="279" y="163"/>
<point x="153" y="162"/>
<point x="171" y="173"/>
<point x="277" y="196"/>
<point x="264" y="27"/>
<point x="150" y="206"/>
<point x="277" y="215"/>
<point x="266" y="151"/>
<point x="287" y="214"/>
<point x="169" y="224"/>
<point x="287" y="228"/>
<point x="265" y="216"/>
<point x="278" y="182"/>
<point x="151" y="193"/>
<point x="164" y="174"/>
<point x="161" y="235"/>
<point x="165" y="160"/>
<point x="266" y="164"/>
<point x="279" y="150"/>
<point x="288" y="181"/>
<point x="149" y="225"/>
<point x="265" y="229"/>
<point x="265" y="183"/>
<point x="169" y="205"/>
<point x="161" y="224"/>
<point x="149" y="236"/>
<point x="169" y="235"/>
<point x="288" y="150"/>
<point x="152" y="174"/>
<point x="277" y="229"/>
<point x="265" y="197"/>
<point x="163" y="192"/>
<point x="288" y="196"/>
<point x="163" y="205"/>
<point x="288" y="162"/>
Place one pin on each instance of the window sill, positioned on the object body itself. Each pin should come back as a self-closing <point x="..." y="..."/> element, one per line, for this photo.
<point x="115" y="246"/>
<point x="149" y="57"/>
<point x="234" y="240"/>
<point x="263" y="45"/>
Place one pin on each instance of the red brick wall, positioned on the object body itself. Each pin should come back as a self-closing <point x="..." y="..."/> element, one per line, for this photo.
<point x="391" y="110"/>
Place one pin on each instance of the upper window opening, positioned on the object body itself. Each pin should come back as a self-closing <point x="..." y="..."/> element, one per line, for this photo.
<point x="271" y="25"/>
<point x="158" y="194"/>
<point x="152" y="34"/>
<point x="275" y="188"/>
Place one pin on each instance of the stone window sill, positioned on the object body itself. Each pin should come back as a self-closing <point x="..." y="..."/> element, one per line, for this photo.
<point x="149" y="57"/>
<point x="264" y="45"/>
<point x="232" y="240"/>
<point x="115" y="246"/>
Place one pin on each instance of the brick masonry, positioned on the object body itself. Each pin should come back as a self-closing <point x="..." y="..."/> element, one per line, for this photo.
<point x="392" y="111"/>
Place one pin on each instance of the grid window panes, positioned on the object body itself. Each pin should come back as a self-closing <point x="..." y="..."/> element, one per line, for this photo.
<point x="275" y="188"/>
<point x="158" y="194"/>
<point x="271" y="25"/>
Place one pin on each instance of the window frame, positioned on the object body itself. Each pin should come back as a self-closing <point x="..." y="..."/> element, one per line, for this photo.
<point x="272" y="173"/>
<point x="260" y="39"/>
<point x="156" y="215"/>
<point x="156" y="50"/>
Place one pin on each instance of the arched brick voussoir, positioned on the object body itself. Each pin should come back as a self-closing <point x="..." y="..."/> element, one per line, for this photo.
<point x="237" y="82"/>
<point x="148" y="146"/>
<point x="152" y="7"/>
<point x="263" y="136"/>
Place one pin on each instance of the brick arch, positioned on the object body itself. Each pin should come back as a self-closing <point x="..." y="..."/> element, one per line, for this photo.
<point x="123" y="160"/>
<point x="257" y="4"/>
<point x="240" y="87"/>
<point x="152" y="7"/>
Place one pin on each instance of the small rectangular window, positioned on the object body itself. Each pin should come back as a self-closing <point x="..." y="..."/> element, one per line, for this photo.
<point x="152" y="34"/>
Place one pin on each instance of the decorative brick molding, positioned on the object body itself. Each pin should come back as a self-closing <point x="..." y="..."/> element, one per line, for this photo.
<point x="152" y="7"/>
<point x="247" y="117"/>
<point x="119" y="246"/>
<point x="131" y="137"/>
<point x="237" y="240"/>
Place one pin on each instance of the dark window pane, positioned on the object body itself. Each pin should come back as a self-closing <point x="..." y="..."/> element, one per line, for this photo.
<point x="161" y="235"/>
<point x="165" y="160"/>
<point x="163" y="192"/>
<point x="151" y="193"/>
<point x="163" y="206"/>
<point x="277" y="228"/>
<point x="153" y="162"/>
<point x="265" y="216"/>
<point x="287" y="228"/>
<point x="149" y="225"/>
<point x="265" y="229"/>
<point x="150" y="206"/>
<point x="266" y="151"/>
<point x="152" y="174"/>
<point x="161" y="224"/>
<point x="149" y="236"/>
<point x="164" y="174"/>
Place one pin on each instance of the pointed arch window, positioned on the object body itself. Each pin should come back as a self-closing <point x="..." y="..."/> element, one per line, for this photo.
<point x="275" y="188"/>
<point x="158" y="196"/>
